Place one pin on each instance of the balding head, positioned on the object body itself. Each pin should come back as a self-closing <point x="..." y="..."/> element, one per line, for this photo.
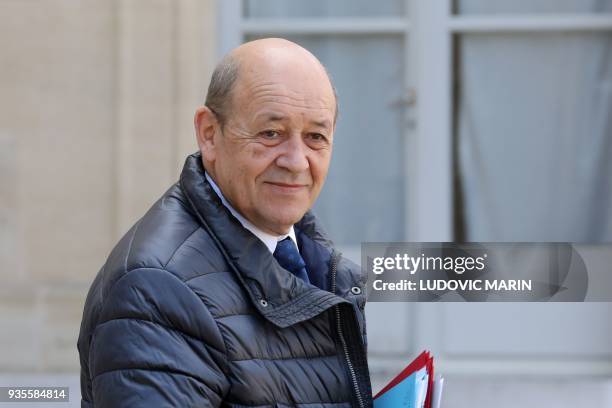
<point x="266" y="132"/>
<point x="264" y="54"/>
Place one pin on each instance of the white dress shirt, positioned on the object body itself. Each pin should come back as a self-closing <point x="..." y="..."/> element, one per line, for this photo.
<point x="268" y="239"/>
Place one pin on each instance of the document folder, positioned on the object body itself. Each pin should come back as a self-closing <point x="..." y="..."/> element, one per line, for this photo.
<point x="413" y="387"/>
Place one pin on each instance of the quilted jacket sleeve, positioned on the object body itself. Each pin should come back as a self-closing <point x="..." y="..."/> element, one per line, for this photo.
<point x="156" y="345"/>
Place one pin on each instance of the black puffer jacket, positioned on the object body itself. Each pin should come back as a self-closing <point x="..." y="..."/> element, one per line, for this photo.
<point x="192" y="310"/>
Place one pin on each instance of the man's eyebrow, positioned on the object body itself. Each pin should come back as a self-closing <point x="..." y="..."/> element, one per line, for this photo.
<point x="273" y="117"/>
<point x="279" y="117"/>
<point x="324" y="123"/>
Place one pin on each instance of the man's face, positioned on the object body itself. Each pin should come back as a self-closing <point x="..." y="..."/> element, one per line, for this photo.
<point x="272" y="155"/>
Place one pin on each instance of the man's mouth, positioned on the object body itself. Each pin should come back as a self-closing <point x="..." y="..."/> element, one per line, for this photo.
<point x="286" y="187"/>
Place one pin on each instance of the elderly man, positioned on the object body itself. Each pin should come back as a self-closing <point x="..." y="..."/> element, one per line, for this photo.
<point x="227" y="292"/>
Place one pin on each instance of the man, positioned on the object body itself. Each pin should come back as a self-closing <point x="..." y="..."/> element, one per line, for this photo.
<point x="227" y="292"/>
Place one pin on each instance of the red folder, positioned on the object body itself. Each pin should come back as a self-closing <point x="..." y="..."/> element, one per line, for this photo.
<point x="423" y="360"/>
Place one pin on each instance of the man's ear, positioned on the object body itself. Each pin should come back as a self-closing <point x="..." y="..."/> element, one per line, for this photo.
<point x="206" y="126"/>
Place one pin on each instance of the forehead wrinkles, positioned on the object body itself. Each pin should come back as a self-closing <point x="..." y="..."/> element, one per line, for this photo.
<point x="272" y="92"/>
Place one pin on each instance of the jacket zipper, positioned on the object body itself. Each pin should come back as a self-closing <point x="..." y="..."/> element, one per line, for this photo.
<point x="334" y="268"/>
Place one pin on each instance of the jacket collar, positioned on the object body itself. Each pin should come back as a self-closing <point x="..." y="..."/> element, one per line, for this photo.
<point x="278" y="295"/>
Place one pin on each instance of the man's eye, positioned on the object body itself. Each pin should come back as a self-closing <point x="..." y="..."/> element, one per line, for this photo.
<point x="270" y="134"/>
<point x="317" y="137"/>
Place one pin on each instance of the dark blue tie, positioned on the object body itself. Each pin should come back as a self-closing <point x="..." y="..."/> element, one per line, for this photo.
<point x="287" y="255"/>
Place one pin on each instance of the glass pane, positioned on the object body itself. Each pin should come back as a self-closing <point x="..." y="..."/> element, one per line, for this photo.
<point x="535" y="136"/>
<point x="532" y="6"/>
<point x="324" y="8"/>
<point x="363" y="198"/>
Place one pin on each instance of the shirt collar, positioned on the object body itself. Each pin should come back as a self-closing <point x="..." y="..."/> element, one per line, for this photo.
<point x="268" y="239"/>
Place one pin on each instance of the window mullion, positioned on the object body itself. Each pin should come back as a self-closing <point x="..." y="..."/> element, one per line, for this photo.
<point x="431" y="195"/>
<point x="229" y="20"/>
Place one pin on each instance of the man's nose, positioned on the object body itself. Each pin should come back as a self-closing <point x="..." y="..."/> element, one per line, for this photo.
<point x="294" y="155"/>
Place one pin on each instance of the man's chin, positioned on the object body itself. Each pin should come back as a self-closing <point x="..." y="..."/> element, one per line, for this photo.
<point x="282" y="222"/>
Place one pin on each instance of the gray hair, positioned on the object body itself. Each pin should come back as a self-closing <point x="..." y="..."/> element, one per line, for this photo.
<point x="219" y="98"/>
